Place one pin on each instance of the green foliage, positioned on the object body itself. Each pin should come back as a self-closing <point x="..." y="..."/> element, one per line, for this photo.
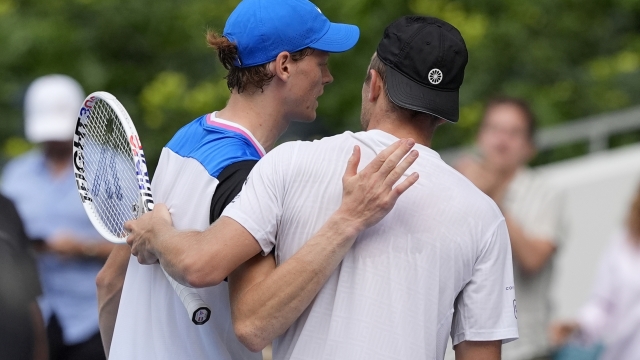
<point x="570" y="58"/>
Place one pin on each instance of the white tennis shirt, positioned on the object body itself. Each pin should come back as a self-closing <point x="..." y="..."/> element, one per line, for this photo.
<point x="152" y="323"/>
<point x="438" y="264"/>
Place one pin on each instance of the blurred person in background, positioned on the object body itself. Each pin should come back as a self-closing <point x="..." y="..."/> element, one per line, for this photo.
<point x="532" y="211"/>
<point x="41" y="183"/>
<point x="612" y="314"/>
<point x="22" y="333"/>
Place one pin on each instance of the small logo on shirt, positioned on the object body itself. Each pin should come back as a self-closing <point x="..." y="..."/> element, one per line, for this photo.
<point x="515" y="309"/>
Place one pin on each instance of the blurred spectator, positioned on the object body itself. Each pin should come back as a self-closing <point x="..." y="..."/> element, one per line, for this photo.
<point x="41" y="183"/>
<point x="22" y="333"/>
<point x="612" y="314"/>
<point x="506" y="144"/>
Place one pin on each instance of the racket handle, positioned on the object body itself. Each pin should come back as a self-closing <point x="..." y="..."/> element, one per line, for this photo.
<point x="197" y="309"/>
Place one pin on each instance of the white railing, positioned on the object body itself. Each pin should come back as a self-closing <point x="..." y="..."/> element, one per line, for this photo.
<point x="595" y="129"/>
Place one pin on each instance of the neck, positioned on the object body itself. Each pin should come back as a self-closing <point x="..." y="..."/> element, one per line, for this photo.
<point x="259" y="113"/>
<point x="420" y="130"/>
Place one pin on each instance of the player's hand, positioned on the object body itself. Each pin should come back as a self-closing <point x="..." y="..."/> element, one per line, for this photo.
<point x="147" y="229"/>
<point x="369" y="195"/>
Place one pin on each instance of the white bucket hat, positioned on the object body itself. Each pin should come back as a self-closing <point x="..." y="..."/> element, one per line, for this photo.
<point x="51" y="108"/>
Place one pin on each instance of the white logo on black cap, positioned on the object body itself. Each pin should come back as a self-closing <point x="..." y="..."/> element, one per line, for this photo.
<point x="435" y="76"/>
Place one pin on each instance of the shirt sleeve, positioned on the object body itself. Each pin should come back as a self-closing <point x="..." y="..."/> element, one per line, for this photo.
<point x="485" y="309"/>
<point x="231" y="180"/>
<point x="259" y="206"/>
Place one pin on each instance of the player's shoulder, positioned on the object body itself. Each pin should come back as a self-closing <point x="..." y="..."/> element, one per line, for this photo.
<point x="304" y="149"/>
<point x="471" y="198"/>
<point x="213" y="147"/>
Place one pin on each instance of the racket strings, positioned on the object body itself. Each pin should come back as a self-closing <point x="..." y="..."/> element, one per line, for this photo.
<point x="109" y="169"/>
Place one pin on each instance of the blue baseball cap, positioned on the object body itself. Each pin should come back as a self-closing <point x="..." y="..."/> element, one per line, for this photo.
<point x="262" y="29"/>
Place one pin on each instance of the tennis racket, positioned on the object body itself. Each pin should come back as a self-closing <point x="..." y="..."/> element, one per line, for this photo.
<point x="113" y="181"/>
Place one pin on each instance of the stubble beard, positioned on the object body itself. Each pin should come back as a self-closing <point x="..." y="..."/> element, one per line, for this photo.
<point x="365" y="118"/>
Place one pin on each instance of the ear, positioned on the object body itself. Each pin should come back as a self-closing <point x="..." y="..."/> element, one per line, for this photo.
<point x="376" y="87"/>
<point x="281" y="66"/>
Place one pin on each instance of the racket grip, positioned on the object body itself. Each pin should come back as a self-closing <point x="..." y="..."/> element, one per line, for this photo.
<point x="198" y="310"/>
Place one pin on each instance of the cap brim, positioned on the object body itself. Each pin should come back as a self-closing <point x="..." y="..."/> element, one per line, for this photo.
<point x="409" y="94"/>
<point x="339" y="38"/>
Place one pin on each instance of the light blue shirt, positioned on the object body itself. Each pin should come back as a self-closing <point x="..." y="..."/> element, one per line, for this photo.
<point x="50" y="206"/>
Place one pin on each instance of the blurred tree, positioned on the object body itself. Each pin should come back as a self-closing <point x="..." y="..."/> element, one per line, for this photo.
<point x="571" y="58"/>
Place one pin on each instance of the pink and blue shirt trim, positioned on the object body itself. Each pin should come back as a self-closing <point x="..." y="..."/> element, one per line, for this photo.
<point x="215" y="143"/>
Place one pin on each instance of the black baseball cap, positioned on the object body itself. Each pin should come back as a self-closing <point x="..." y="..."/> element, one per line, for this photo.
<point x="425" y="59"/>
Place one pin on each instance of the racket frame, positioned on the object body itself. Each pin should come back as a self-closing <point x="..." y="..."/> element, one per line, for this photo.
<point x="137" y="156"/>
<point x="198" y="311"/>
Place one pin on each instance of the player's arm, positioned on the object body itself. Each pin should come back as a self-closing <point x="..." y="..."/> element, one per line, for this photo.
<point x="266" y="300"/>
<point x="192" y="258"/>
<point x="531" y="254"/>
<point x="478" y="350"/>
<point x="109" y="282"/>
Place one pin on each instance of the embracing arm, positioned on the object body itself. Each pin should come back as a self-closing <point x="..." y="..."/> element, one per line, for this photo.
<point x="194" y="258"/>
<point x="182" y="254"/>
<point x="266" y="300"/>
<point x="110" y="281"/>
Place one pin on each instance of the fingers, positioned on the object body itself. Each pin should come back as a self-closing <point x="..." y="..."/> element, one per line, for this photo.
<point x="393" y="159"/>
<point x="130" y="241"/>
<point x="352" y="164"/>
<point x="399" y="170"/>
<point x="380" y="159"/>
<point x="129" y="226"/>
<point x="403" y="186"/>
